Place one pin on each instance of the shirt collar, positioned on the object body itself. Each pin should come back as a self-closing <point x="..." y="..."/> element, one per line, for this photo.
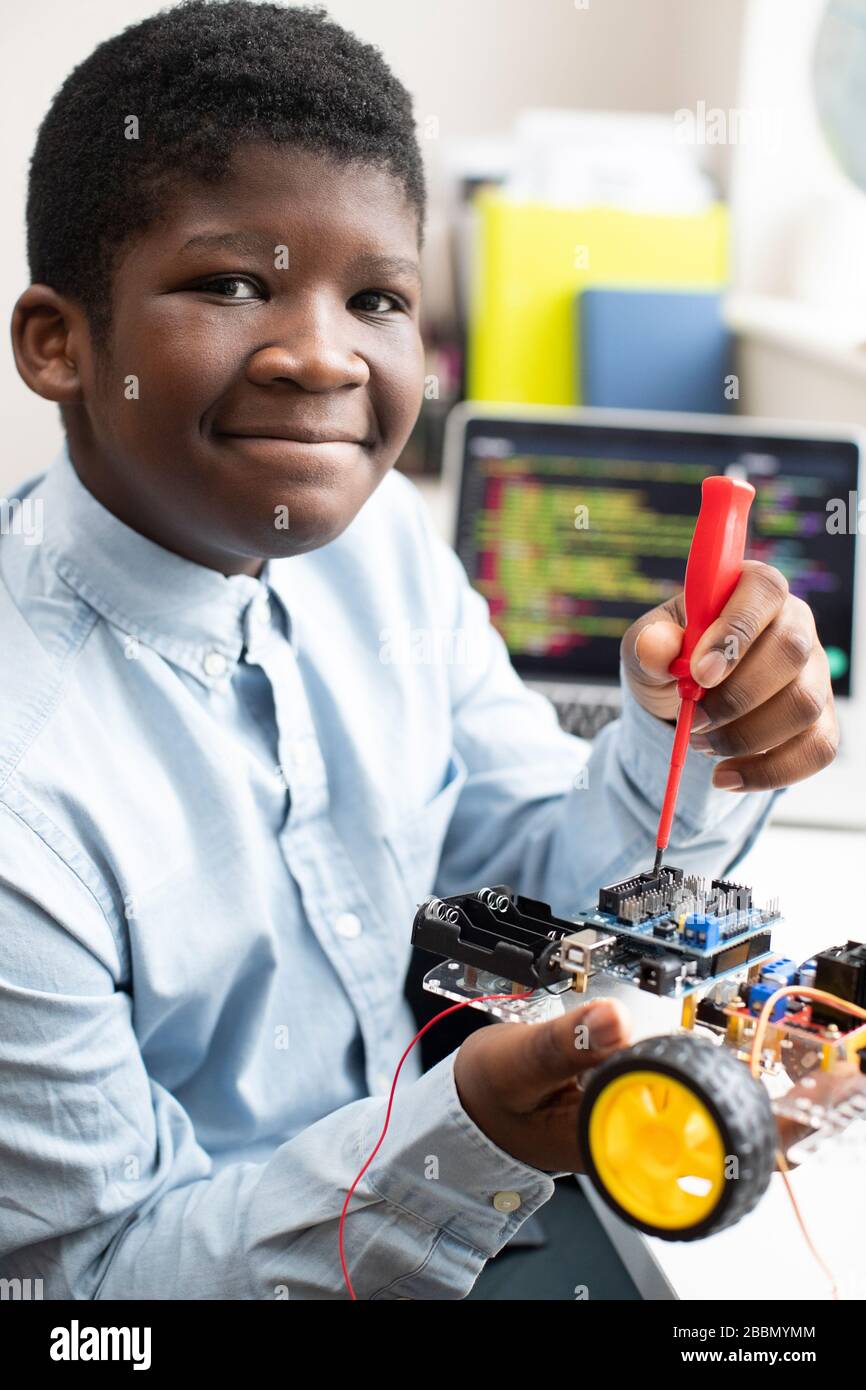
<point x="193" y="616"/>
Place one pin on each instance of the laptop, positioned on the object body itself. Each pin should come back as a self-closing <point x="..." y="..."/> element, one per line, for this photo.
<point x="572" y="522"/>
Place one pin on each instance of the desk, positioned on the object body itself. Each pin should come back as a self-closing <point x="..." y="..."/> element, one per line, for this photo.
<point x="817" y="875"/>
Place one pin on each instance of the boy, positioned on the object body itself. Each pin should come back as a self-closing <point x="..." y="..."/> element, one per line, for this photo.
<point x="220" y="798"/>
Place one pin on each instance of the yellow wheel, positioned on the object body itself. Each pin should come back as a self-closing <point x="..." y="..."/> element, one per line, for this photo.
<point x="677" y="1137"/>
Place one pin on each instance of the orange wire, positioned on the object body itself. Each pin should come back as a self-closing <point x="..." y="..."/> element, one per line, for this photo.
<point x="844" y="1005"/>
<point x="818" y="1258"/>
<point x="807" y="992"/>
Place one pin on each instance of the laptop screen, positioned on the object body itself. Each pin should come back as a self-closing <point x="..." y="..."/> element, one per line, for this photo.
<point x="571" y="531"/>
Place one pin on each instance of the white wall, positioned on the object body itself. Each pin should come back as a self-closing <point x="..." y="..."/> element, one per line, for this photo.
<point x="800" y="223"/>
<point x="471" y="63"/>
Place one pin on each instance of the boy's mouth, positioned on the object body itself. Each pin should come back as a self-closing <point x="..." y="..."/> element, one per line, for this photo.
<point x="298" y="450"/>
<point x="294" y="436"/>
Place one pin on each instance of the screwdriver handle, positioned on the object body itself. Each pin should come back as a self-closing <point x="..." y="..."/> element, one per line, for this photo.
<point x="714" y="566"/>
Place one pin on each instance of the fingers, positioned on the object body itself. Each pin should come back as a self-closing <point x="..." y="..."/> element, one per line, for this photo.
<point x="788" y="653"/>
<point x="772" y="719"/>
<point x="642" y="651"/>
<point x="655" y="647"/>
<point x="789" y="762"/>
<point x="768" y="707"/>
<point x="647" y="650"/>
<point x="546" y="1055"/>
<point x="756" y="601"/>
<point x="518" y="1083"/>
<point x="800" y="698"/>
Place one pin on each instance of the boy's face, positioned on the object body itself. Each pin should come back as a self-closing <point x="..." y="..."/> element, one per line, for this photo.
<point x="272" y="324"/>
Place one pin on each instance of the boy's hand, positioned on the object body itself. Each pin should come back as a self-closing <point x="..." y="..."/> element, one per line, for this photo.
<point x="518" y="1082"/>
<point x="770" y="711"/>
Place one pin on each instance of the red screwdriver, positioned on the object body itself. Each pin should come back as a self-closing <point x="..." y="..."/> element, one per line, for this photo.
<point x="713" y="569"/>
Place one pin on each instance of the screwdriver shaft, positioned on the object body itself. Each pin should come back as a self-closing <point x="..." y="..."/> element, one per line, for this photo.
<point x="678" y="758"/>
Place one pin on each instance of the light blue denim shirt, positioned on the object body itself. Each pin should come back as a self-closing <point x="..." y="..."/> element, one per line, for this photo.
<point x="221" y="800"/>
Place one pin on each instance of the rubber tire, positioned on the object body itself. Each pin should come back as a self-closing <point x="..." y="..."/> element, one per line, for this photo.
<point x="738" y="1102"/>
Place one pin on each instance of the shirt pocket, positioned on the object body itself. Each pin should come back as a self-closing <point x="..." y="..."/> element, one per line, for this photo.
<point x="416" y="841"/>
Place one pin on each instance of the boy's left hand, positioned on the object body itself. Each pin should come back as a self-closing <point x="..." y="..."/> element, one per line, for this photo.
<point x="768" y="710"/>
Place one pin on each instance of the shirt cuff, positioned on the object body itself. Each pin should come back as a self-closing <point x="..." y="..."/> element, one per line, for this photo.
<point x="436" y="1164"/>
<point x="645" y="745"/>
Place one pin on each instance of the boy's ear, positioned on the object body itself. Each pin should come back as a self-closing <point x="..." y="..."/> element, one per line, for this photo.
<point x="49" y="331"/>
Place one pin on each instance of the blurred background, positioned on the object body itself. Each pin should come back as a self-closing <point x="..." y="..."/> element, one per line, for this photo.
<point x="659" y="146"/>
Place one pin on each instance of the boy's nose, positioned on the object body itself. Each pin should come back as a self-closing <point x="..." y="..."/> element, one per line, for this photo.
<point x="311" y="361"/>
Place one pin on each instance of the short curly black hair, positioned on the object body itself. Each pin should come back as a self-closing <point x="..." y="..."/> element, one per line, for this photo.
<point x="200" y="78"/>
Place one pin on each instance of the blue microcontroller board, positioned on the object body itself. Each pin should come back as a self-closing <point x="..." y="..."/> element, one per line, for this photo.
<point x="674" y="933"/>
<point x="701" y="937"/>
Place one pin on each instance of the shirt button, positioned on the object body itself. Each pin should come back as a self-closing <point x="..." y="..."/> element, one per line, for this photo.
<point x="348" y="926"/>
<point x="383" y="1082"/>
<point x="214" y="664"/>
<point x="507" y="1201"/>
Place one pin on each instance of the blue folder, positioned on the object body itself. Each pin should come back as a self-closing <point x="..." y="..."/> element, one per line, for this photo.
<point x="653" y="350"/>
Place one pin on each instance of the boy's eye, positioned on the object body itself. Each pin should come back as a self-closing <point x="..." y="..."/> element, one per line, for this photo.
<point x="228" y="285"/>
<point x="385" y="301"/>
<point x="240" y="287"/>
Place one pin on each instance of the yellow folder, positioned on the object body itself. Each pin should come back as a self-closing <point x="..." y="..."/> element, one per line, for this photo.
<point x="531" y="260"/>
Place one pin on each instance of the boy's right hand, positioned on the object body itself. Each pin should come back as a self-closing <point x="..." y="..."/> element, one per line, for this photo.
<point x="519" y="1082"/>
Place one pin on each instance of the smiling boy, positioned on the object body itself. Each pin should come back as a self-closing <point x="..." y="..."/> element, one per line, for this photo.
<point x="219" y="802"/>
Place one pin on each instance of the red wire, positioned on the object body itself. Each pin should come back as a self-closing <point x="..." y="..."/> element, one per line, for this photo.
<point x="427" y="1026"/>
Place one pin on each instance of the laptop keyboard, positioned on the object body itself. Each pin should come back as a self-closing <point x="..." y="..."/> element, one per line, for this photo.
<point x="585" y="720"/>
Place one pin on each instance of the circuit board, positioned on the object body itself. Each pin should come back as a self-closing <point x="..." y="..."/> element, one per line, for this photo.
<point x="665" y="932"/>
<point x="697" y="930"/>
<point x="701" y="941"/>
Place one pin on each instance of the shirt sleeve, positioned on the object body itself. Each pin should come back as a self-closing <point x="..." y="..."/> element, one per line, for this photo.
<point x="105" y="1192"/>
<point x="553" y="815"/>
